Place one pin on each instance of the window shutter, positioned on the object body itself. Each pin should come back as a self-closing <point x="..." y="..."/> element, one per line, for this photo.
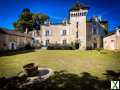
<point x="44" y="33"/>
<point x="61" y="32"/>
<point x="50" y="32"/>
<point x="67" y="32"/>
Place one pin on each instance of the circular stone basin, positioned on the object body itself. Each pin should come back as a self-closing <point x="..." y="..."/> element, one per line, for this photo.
<point x="45" y="73"/>
<point x="42" y="74"/>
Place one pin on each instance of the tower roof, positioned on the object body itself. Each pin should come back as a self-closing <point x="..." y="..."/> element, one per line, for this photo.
<point x="78" y="6"/>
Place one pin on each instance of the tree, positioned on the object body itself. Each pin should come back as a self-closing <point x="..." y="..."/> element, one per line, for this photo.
<point x="39" y="19"/>
<point x="27" y="21"/>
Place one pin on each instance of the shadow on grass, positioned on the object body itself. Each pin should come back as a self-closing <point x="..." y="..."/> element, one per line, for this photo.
<point x="63" y="81"/>
<point x="112" y="75"/>
<point x="10" y="53"/>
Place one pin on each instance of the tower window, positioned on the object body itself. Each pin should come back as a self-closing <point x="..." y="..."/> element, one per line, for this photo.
<point x="74" y="14"/>
<point x="112" y="40"/>
<point x="77" y="24"/>
<point x="47" y="42"/>
<point x="71" y="15"/>
<point x="76" y="34"/>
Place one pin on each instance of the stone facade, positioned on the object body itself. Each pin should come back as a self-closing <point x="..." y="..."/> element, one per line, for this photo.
<point x="12" y="40"/>
<point x="95" y="33"/>
<point x="77" y="29"/>
<point x="112" y="42"/>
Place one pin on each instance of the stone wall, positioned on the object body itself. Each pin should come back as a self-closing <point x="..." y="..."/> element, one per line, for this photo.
<point x="9" y="42"/>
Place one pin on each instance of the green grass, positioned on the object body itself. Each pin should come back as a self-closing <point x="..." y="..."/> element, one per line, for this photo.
<point x="73" y="61"/>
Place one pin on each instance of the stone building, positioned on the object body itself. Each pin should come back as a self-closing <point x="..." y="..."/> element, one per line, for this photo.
<point x="112" y="41"/>
<point x="88" y="34"/>
<point x="12" y="40"/>
<point x="96" y="30"/>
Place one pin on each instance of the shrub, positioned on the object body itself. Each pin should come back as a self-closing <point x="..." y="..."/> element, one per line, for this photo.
<point x="77" y="45"/>
<point x="28" y="47"/>
<point x="60" y="47"/>
<point x="98" y="49"/>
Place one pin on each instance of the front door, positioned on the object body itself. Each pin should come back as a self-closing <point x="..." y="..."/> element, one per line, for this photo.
<point x="12" y="46"/>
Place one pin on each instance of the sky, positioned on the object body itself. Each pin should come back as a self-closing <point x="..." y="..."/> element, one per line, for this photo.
<point x="57" y="10"/>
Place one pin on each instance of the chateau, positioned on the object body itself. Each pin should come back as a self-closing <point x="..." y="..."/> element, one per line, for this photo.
<point x="88" y="34"/>
<point x="77" y="29"/>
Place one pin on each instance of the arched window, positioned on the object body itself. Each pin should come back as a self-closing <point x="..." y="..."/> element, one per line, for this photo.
<point x="71" y="14"/>
<point x="74" y="14"/>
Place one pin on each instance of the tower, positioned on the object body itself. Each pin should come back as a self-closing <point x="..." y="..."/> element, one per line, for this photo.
<point x="77" y="17"/>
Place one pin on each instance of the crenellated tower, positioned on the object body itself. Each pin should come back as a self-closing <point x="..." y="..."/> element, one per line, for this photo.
<point x="78" y="21"/>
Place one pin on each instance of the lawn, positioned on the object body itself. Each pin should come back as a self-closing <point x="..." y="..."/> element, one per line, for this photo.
<point x="72" y="61"/>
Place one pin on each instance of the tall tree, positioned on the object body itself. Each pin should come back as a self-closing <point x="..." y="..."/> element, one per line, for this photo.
<point x="27" y="21"/>
<point x="39" y="19"/>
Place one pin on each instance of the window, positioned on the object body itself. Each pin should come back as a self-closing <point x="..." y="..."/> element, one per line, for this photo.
<point x="64" y="32"/>
<point x="76" y="34"/>
<point x="112" y="40"/>
<point x="84" y="13"/>
<point x="95" y="45"/>
<point x="79" y="14"/>
<point x="64" y="42"/>
<point x="37" y="41"/>
<point x="74" y="14"/>
<point x="94" y="31"/>
<point x="48" y="33"/>
<point x="77" y="24"/>
<point x="47" y="42"/>
<point x="71" y="15"/>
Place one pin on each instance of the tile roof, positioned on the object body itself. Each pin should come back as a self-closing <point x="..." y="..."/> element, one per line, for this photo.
<point x="13" y="32"/>
<point x="78" y="6"/>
